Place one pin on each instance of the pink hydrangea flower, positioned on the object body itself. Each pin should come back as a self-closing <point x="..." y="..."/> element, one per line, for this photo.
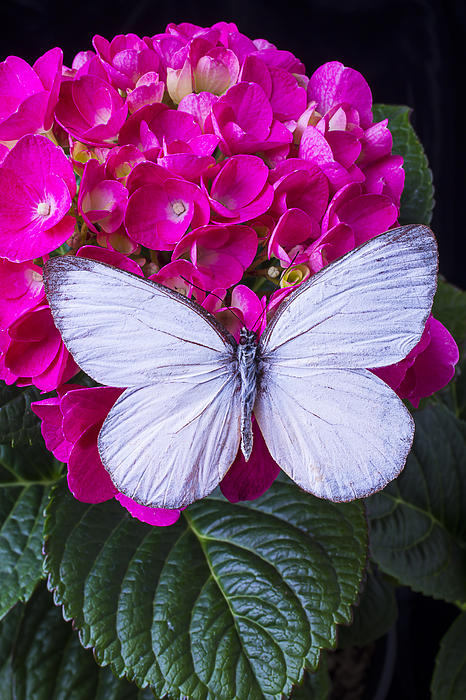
<point x="111" y="257"/>
<point x="37" y="185"/>
<point x="243" y="120"/>
<point x="101" y="201"/>
<point x="71" y="423"/>
<point x="220" y="253"/>
<point x="126" y="59"/>
<point x="287" y="98"/>
<point x="366" y="214"/>
<point x="21" y="288"/>
<point x="429" y="366"/>
<point x="240" y="190"/>
<point x="149" y="90"/>
<point x="333" y="84"/>
<point x="291" y="238"/>
<point x="91" y="110"/>
<point x="299" y="184"/>
<point x="120" y="161"/>
<point x="183" y="277"/>
<point x="205" y="160"/>
<point x="158" y="215"/>
<point x="206" y="68"/>
<point x="33" y="351"/>
<point x="28" y="95"/>
<point x="173" y="138"/>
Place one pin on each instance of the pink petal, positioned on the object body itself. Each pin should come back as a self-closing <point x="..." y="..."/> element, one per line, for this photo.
<point x="87" y="479"/>
<point x="161" y="517"/>
<point x="21" y="288"/>
<point x="86" y="407"/>
<point x="241" y="180"/>
<point x="345" y="147"/>
<point x="368" y="215"/>
<point x="245" y="481"/>
<point x="434" y="367"/>
<point x="333" y="83"/>
<point x="293" y="227"/>
<point x="48" y="410"/>
<point x="37" y="342"/>
<point x="111" y="257"/>
<point x="287" y="99"/>
<point x="28" y="119"/>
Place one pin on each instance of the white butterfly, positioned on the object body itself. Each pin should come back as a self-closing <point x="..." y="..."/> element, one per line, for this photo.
<point x="336" y="429"/>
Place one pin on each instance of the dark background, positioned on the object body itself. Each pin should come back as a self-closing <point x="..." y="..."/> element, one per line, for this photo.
<point x="411" y="52"/>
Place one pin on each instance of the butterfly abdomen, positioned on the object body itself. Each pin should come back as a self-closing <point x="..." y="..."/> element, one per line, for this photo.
<point x="247" y="366"/>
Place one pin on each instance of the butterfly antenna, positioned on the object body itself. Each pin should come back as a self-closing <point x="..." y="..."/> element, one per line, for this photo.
<point x="264" y="310"/>
<point x="213" y="294"/>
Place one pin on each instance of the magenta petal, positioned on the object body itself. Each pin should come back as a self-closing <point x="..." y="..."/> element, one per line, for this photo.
<point x="245" y="481"/>
<point x="86" y="407"/>
<point x="240" y="180"/>
<point x="111" y="257"/>
<point x="345" y="147"/>
<point x="392" y="375"/>
<point x="152" y="516"/>
<point x="251" y="307"/>
<point x="386" y="176"/>
<point x="333" y="83"/>
<point x="30" y="358"/>
<point x="158" y="215"/>
<point x="368" y="215"/>
<point x="60" y="370"/>
<point x="87" y="479"/>
<point x="49" y="412"/>
<point x="434" y="367"/>
<point x="293" y="227"/>
<point x="28" y="119"/>
<point x="21" y="288"/>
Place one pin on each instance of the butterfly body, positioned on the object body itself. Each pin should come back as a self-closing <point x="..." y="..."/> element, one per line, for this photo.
<point x="248" y="371"/>
<point x="331" y="425"/>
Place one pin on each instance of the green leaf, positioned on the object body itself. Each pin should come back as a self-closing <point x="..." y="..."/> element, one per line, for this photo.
<point x="41" y="659"/>
<point x="18" y="424"/>
<point x="233" y="601"/>
<point x="316" y="686"/>
<point x="417" y="200"/>
<point x="373" y="615"/>
<point x="25" y="478"/>
<point x="449" y="681"/>
<point x="450" y="308"/>
<point x="418" y="523"/>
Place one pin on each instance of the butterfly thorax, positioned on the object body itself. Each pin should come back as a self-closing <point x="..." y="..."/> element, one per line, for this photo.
<point x="247" y="366"/>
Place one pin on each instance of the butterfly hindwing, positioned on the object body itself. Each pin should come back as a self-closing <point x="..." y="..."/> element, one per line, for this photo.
<point x="167" y="446"/>
<point x="339" y="434"/>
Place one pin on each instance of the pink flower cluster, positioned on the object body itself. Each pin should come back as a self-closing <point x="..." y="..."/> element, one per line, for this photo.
<point x="206" y="161"/>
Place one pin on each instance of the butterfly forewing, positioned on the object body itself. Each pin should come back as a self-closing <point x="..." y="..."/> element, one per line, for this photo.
<point x="125" y="331"/>
<point x="367" y="309"/>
